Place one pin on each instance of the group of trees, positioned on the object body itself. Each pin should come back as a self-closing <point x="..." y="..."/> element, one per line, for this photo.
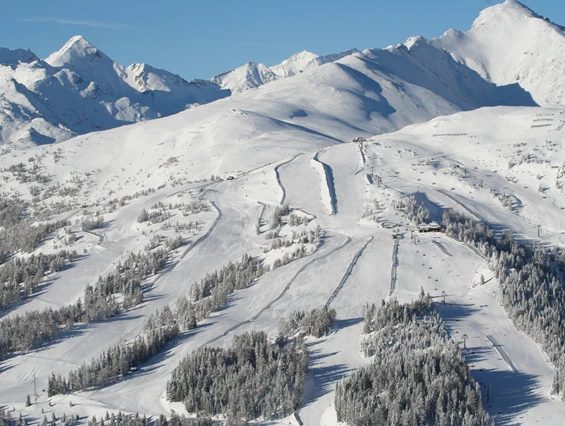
<point x="20" y="277"/>
<point x="120" y="359"/>
<point x="126" y="279"/>
<point x="135" y="420"/>
<point x="161" y="212"/>
<point x="33" y="329"/>
<point x="154" y="216"/>
<point x="280" y="211"/>
<point x="25" y="175"/>
<point x="295" y="220"/>
<point x="318" y="322"/>
<point x="213" y="290"/>
<point x="25" y="237"/>
<point x="288" y="257"/>
<point x="16" y="231"/>
<point x="304" y="237"/>
<point x="532" y="284"/>
<point x="415" y="211"/>
<point x="418" y="375"/>
<point x="252" y="378"/>
<point x="91" y="223"/>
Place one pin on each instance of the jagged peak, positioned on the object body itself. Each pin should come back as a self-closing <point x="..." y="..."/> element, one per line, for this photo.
<point x="414" y="42"/>
<point x="10" y="57"/>
<point x="76" y="49"/>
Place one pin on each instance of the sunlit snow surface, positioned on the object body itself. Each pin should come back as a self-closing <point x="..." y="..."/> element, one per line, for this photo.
<point x="290" y="141"/>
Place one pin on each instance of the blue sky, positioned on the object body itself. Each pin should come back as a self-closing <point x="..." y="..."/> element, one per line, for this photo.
<point x="199" y="39"/>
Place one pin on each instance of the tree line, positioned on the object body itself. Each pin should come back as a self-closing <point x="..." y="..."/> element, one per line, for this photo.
<point x="137" y="420"/>
<point x="20" y="277"/>
<point x="532" y="284"/>
<point x="318" y="322"/>
<point x="252" y="378"/>
<point x="418" y="375"/>
<point x="211" y="292"/>
<point x="120" y="359"/>
<point x="22" y="333"/>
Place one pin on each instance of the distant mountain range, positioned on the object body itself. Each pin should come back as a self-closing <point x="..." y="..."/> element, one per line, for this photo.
<point x="506" y="58"/>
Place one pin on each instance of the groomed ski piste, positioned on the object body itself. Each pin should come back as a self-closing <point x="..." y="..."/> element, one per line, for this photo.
<point x="215" y="175"/>
<point x="464" y="168"/>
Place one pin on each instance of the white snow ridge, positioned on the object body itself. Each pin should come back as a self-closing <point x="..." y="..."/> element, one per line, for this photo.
<point x="366" y="237"/>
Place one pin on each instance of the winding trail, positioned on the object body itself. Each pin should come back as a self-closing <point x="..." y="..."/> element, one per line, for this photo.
<point x="277" y="174"/>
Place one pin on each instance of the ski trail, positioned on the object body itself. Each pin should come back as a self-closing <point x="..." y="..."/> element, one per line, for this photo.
<point x="207" y="234"/>
<point x="501" y="352"/>
<point x="279" y="176"/>
<point x="283" y="292"/>
<point x="347" y="273"/>
<point x="327" y="190"/>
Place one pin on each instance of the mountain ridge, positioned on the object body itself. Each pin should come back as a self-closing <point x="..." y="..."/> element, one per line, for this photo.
<point x="78" y="89"/>
<point x="529" y="50"/>
<point x="84" y="90"/>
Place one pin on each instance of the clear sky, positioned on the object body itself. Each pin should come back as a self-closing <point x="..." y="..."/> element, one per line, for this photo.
<point x="199" y="39"/>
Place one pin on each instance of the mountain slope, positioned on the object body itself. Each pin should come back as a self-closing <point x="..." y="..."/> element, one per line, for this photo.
<point x="509" y="43"/>
<point x="245" y="77"/>
<point x="362" y="94"/>
<point x="253" y="75"/>
<point x="294" y="65"/>
<point x="79" y="89"/>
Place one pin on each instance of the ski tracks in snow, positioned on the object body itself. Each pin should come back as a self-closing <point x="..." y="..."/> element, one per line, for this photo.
<point x="347" y="273"/>
<point x="282" y="293"/>
<point x="277" y="174"/>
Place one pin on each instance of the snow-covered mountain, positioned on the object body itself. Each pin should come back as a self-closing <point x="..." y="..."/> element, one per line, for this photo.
<point x="294" y="65"/>
<point x="79" y="89"/>
<point x="509" y="43"/>
<point x="362" y="94"/>
<point x="467" y="144"/>
<point x="252" y="75"/>
<point x="245" y="77"/>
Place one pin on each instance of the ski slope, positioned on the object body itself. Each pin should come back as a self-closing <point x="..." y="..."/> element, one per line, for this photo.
<point x="352" y="266"/>
<point x="425" y="122"/>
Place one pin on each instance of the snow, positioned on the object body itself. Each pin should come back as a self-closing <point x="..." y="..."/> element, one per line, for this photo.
<point x="289" y="141"/>
<point x="528" y="50"/>
<point x="294" y="65"/>
<point x="414" y="160"/>
<point x="326" y="190"/>
<point x="245" y="77"/>
<point x="253" y="75"/>
<point x="79" y="89"/>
